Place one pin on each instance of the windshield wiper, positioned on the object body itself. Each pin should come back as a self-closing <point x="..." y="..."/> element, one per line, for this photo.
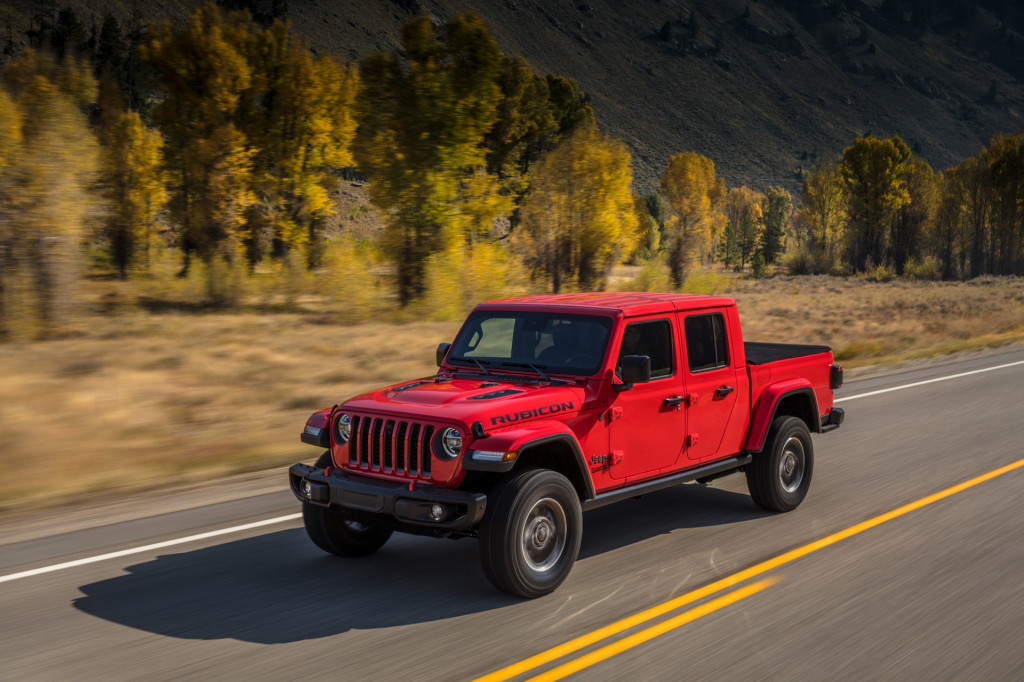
<point x="478" y="363"/>
<point x="535" y="368"/>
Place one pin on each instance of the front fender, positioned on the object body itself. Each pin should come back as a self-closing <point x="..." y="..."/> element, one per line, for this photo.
<point x="768" y="404"/>
<point x="517" y="440"/>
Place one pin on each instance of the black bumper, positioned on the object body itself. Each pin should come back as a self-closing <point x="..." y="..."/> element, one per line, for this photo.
<point x="832" y="420"/>
<point x="392" y="503"/>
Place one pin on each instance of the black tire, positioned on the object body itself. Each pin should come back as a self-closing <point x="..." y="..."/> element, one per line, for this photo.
<point x="531" y="533"/>
<point x="335" y="535"/>
<point x="780" y="475"/>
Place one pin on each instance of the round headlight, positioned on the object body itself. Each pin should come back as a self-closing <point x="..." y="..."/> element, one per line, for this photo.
<point x="451" y="442"/>
<point x="342" y="428"/>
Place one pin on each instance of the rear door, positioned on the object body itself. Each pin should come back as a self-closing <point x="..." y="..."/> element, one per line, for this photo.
<point x="647" y="432"/>
<point x="714" y="385"/>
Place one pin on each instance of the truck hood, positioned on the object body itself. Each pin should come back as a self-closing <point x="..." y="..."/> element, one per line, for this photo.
<point x="491" y="401"/>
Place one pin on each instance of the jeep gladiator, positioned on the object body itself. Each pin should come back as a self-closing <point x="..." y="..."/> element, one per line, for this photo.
<point x="547" y="406"/>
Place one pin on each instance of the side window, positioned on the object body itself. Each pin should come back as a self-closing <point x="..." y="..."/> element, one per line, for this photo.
<point x="706" y="346"/>
<point x="653" y="339"/>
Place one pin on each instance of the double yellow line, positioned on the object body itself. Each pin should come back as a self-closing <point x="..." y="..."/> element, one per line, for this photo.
<point x="756" y="570"/>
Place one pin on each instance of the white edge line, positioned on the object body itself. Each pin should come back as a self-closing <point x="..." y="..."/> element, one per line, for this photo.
<point x="292" y="517"/>
<point x="841" y="399"/>
<point x="149" y="548"/>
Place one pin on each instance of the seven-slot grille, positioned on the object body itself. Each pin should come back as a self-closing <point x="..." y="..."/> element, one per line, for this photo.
<point x="390" y="445"/>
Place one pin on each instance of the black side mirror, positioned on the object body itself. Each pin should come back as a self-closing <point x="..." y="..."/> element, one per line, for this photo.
<point x="636" y="369"/>
<point x="442" y="350"/>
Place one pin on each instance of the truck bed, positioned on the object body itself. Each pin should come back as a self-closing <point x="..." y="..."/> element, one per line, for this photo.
<point x="763" y="353"/>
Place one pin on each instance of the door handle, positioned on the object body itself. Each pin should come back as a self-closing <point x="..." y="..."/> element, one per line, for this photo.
<point x="723" y="391"/>
<point x="674" y="400"/>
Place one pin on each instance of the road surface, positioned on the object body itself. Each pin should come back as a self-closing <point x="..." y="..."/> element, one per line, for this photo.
<point x="691" y="582"/>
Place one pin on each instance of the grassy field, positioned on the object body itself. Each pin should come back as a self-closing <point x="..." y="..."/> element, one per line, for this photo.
<point x="146" y="399"/>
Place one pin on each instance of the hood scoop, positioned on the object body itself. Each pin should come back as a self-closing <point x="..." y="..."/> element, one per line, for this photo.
<point x="496" y="394"/>
<point x="412" y="385"/>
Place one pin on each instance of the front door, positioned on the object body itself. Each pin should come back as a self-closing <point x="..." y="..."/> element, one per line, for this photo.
<point x="647" y="422"/>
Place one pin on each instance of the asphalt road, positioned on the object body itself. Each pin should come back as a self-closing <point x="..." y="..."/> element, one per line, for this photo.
<point x="932" y="592"/>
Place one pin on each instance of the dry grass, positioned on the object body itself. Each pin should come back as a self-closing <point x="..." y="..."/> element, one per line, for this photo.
<point x="869" y="323"/>
<point x="141" y="399"/>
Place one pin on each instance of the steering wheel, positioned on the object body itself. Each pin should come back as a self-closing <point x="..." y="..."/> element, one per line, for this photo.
<point x="581" y="360"/>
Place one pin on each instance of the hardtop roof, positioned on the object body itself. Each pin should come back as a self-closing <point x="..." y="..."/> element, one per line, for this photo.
<point x="629" y="303"/>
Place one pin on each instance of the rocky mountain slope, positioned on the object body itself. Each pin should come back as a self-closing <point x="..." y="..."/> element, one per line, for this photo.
<point x="764" y="87"/>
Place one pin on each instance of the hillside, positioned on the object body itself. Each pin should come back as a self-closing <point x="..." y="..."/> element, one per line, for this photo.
<point x="765" y="88"/>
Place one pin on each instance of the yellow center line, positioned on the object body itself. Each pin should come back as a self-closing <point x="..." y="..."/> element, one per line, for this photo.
<point x="650" y="633"/>
<point x="719" y="585"/>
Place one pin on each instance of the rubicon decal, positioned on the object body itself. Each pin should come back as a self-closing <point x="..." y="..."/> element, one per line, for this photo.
<point x="527" y="414"/>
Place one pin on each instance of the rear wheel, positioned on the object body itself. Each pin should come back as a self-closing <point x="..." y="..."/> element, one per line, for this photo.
<point x="531" y="533"/>
<point x="336" y="535"/>
<point x="780" y="475"/>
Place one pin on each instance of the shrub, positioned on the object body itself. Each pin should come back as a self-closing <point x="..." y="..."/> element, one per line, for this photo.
<point x="707" y="282"/>
<point x="928" y="269"/>
<point x="346" y="278"/>
<point x="652" y="276"/>
<point x="880" y="273"/>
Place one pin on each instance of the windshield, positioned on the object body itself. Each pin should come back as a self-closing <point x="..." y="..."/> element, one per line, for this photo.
<point x="553" y="342"/>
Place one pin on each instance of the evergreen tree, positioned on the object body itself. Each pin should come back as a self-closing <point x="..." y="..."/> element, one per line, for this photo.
<point x="778" y="206"/>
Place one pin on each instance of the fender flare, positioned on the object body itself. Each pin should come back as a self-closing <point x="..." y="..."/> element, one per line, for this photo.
<point x="768" y="406"/>
<point x="524" y="439"/>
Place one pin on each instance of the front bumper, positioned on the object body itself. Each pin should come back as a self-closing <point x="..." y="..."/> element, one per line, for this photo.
<point x="391" y="503"/>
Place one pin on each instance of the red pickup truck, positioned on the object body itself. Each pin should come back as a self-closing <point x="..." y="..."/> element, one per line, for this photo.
<point x="546" y="406"/>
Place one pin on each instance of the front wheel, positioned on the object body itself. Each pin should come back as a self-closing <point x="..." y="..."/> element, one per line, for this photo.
<point x="336" y="535"/>
<point x="531" y="533"/>
<point x="780" y="475"/>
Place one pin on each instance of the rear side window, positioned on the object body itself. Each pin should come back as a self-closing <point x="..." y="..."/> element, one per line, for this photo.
<point x="706" y="346"/>
<point x="653" y="339"/>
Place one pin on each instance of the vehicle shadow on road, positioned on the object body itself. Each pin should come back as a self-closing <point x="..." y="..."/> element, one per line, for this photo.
<point x="278" y="588"/>
<point x="679" y="508"/>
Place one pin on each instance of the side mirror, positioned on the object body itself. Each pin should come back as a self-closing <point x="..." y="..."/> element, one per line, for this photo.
<point x="636" y="369"/>
<point x="442" y="350"/>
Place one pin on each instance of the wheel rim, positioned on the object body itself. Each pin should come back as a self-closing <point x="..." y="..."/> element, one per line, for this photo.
<point x="357" y="526"/>
<point x="791" y="465"/>
<point x="544" y="535"/>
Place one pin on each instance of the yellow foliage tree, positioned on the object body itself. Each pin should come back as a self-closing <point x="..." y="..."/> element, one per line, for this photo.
<point x="132" y="156"/>
<point x="48" y="165"/>
<point x="423" y="121"/>
<point x="824" y="212"/>
<point x="913" y="222"/>
<point x="875" y="174"/>
<point x="647" y="240"/>
<point x="578" y="216"/>
<point x="744" y="225"/>
<point x="204" y="72"/>
<point x="298" y="114"/>
<point x="692" y="192"/>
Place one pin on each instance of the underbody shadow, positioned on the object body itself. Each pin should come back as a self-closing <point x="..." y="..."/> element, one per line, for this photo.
<point x="278" y="587"/>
